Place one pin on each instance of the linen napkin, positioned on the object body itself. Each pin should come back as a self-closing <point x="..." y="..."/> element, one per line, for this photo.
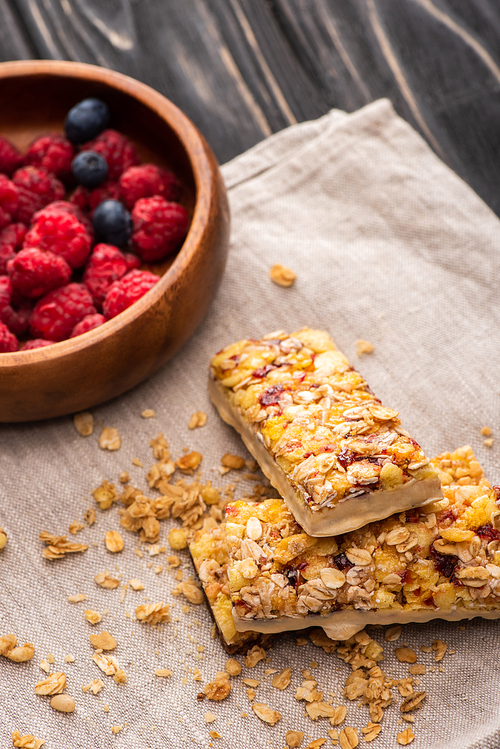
<point x="388" y="245"/>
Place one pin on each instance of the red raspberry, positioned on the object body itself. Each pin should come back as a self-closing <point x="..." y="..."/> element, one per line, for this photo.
<point x="34" y="272"/>
<point x="127" y="290"/>
<point x="145" y="181"/>
<point x="52" y="152"/>
<point x="56" y="314"/>
<point x="8" y="341"/>
<point x="17" y="318"/>
<point x="133" y="262"/>
<point x="106" y="265"/>
<point x="36" y="343"/>
<point x="159" y="226"/>
<point x="64" y="206"/>
<point x="10" y="158"/>
<point x="88" y="323"/>
<point x="9" y="200"/>
<point x="36" y="187"/>
<point x="88" y="200"/>
<point x="5" y="291"/>
<point x="11" y="239"/>
<point x="63" y="234"/>
<point x="116" y="149"/>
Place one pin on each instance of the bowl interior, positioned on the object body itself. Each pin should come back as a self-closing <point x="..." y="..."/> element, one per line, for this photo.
<point x="34" y="105"/>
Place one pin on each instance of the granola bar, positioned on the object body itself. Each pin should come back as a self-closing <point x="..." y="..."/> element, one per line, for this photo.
<point x="337" y="456"/>
<point x="210" y="557"/>
<point x="438" y="561"/>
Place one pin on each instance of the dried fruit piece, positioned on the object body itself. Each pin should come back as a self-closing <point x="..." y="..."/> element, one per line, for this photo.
<point x="189" y="462"/>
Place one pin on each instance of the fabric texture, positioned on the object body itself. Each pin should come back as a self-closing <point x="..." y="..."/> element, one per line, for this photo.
<point x="388" y="245"/>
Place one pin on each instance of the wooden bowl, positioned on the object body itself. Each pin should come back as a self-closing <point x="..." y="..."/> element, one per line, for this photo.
<point x="81" y="372"/>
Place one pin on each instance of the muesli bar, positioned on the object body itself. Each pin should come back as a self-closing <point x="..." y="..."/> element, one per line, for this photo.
<point x="210" y="557"/>
<point x="337" y="456"/>
<point x="438" y="561"/>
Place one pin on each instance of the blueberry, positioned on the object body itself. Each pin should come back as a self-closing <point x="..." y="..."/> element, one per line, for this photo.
<point x="86" y="119"/>
<point x="112" y="223"/>
<point x="89" y="168"/>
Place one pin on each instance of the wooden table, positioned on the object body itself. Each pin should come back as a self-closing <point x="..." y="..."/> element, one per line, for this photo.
<point x="243" y="69"/>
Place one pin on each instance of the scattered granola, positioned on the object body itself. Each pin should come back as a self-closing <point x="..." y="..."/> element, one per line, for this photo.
<point x="190" y="462"/>
<point x="64" y="703"/>
<point x="281" y="275"/>
<point x="405" y="737"/>
<point x="405" y="655"/>
<point x="153" y="613"/>
<point x="110" y="439"/>
<point x="58" y="546"/>
<point x="106" y="580"/>
<point x="282" y="680"/>
<point x="136" y="584"/>
<point x="348" y="738"/>
<point x="219" y="688"/>
<point x="94" y="686"/>
<point x="105" y="495"/>
<point x="3" y="539"/>
<point x="198" y="419"/>
<point x="254" y="655"/>
<point x="178" y="538"/>
<point x="69" y="658"/>
<point x="148" y="413"/>
<point x="233" y="667"/>
<point x="371" y="731"/>
<point x="265" y="713"/>
<point x="294" y="738"/>
<point x="440" y="649"/>
<point x="486" y="432"/>
<point x="93" y="617"/>
<point x="364" y="347"/>
<point x="412" y="702"/>
<point x="113" y="541"/>
<point x="232" y="461"/>
<point x="163" y="672"/>
<point x="19" y="654"/>
<point x="339" y="715"/>
<point x="27" y="741"/>
<point x="393" y="633"/>
<point x="75" y="527"/>
<point x="190" y="590"/>
<point x="89" y="516"/>
<point x="84" y="423"/>
<point x="53" y="684"/>
<point x="103" y="641"/>
<point x="110" y="666"/>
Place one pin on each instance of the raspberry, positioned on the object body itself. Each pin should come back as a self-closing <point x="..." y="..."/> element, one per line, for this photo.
<point x="9" y="200"/>
<point x="56" y="314"/>
<point x="63" y="206"/>
<point x="132" y="260"/>
<point x="52" y="152"/>
<point x="10" y="158"/>
<point x="106" y="265"/>
<point x="159" y="226"/>
<point x="61" y="233"/>
<point x="36" y="343"/>
<point x="34" y="273"/>
<point x="126" y="291"/>
<point x="116" y="149"/>
<point x="36" y="188"/>
<point x="88" y="200"/>
<point x="145" y="181"/>
<point x="17" y="318"/>
<point x="8" y="341"/>
<point x="88" y="323"/>
<point x="5" y="291"/>
<point x="11" y="239"/>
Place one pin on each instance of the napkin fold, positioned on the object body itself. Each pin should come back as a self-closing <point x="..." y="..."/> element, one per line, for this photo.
<point x="388" y="245"/>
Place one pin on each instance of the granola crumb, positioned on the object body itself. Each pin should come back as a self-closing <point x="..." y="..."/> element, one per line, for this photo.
<point x="393" y="633"/>
<point x="137" y="462"/>
<point x="105" y="495"/>
<point x="198" y="419"/>
<point x="219" y="688"/>
<point x="405" y="737"/>
<point x="136" y="584"/>
<point x="84" y="423"/>
<point x="282" y="680"/>
<point x="93" y="617"/>
<point x="94" y="686"/>
<point x="116" y="729"/>
<point x="418" y="669"/>
<point x="148" y="413"/>
<point x="232" y="461"/>
<point x="110" y="439"/>
<point x="215" y="735"/>
<point x="254" y="655"/>
<point x="76" y="598"/>
<point x="113" y="541"/>
<point x="489" y="442"/>
<point x="294" y="738"/>
<point x="89" y="516"/>
<point x="153" y="613"/>
<point x="405" y="655"/>
<point x="316" y="744"/>
<point x="103" y="641"/>
<point x="106" y="580"/>
<point x="282" y="276"/>
<point x="163" y="672"/>
<point x="75" y="527"/>
<point x="178" y="538"/>
<point x="210" y="717"/>
<point x="371" y="731"/>
<point x="56" y="547"/>
<point x="265" y="713"/>
<point x="3" y="539"/>
<point x="189" y="462"/>
<point x="364" y="347"/>
<point x="69" y="658"/>
<point x="190" y="590"/>
<point x="53" y="684"/>
<point x="339" y="715"/>
<point x="28" y="741"/>
<point x="45" y="666"/>
<point x="440" y="649"/>
<point x="105" y="708"/>
<point x="348" y="738"/>
<point x="233" y="667"/>
<point x="486" y="431"/>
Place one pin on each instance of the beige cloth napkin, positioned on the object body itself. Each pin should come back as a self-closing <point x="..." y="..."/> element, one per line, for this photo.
<point x="389" y="245"/>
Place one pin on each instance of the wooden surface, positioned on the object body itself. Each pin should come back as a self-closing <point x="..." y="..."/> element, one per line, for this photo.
<point x="242" y="69"/>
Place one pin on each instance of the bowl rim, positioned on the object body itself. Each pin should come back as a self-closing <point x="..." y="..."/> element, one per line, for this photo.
<point x="197" y="153"/>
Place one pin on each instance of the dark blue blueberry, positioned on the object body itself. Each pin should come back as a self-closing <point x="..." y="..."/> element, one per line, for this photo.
<point x="86" y="119"/>
<point x="112" y="223"/>
<point x="89" y="168"/>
